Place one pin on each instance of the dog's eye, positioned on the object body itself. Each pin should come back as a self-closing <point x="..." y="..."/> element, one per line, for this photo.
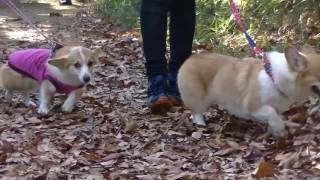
<point x="90" y="63"/>
<point x="77" y="65"/>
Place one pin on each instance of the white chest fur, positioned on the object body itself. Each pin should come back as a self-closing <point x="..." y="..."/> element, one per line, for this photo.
<point x="279" y="93"/>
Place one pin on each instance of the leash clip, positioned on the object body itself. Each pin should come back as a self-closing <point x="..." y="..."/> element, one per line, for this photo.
<point x="54" y="46"/>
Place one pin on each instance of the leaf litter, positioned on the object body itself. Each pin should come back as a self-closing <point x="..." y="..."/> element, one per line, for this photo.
<point x="112" y="135"/>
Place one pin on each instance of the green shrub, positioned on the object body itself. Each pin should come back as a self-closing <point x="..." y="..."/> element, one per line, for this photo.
<point x="120" y="12"/>
<point x="265" y="19"/>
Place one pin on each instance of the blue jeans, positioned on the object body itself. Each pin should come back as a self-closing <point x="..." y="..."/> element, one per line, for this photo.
<point x="154" y="14"/>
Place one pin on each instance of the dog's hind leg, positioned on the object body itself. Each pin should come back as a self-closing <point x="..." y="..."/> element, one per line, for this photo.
<point x="8" y="96"/>
<point x="199" y="107"/>
<point x="197" y="118"/>
<point x="193" y="95"/>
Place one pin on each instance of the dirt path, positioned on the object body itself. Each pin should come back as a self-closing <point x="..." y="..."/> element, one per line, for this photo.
<point x="111" y="133"/>
<point x="13" y="30"/>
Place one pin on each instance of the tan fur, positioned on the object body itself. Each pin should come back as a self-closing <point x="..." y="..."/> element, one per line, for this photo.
<point x="15" y="81"/>
<point x="240" y="84"/>
<point x="203" y="70"/>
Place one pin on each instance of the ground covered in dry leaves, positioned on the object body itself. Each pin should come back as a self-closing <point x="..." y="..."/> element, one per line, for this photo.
<point x="112" y="135"/>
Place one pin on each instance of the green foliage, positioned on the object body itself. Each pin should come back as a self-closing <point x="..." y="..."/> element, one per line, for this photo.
<point x="268" y="21"/>
<point x="213" y="20"/>
<point x="120" y="12"/>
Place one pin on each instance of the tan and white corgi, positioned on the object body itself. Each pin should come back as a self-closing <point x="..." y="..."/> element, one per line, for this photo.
<point x="245" y="89"/>
<point x="67" y="71"/>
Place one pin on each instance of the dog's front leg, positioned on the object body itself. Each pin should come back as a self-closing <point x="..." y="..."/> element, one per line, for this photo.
<point x="47" y="91"/>
<point x="71" y="100"/>
<point x="275" y="123"/>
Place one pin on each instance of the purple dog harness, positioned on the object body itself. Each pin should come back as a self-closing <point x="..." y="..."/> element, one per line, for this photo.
<point x="33" y="63"/>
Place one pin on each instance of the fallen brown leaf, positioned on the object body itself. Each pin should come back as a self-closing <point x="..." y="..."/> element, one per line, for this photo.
<point x="282" y="142"/>
<point x="43" y="176"/>
<point x="299" y="117"/>
<point x="264" y="169"/>
<point x="6" y="146"/>
<point x="182" y="175"/>
<point x="316" y="170"/>
<point x="92" y="157"/>
<point x="130" y="126"/>
<point x="288" y="159"/>
<point x="196" y="135"/>
<point x="3" y="157"/>
<point x="147" y="177"/>
<point x="34" y="120"/>
<point x="112" y="156"/>
<point x="52" y="14"/>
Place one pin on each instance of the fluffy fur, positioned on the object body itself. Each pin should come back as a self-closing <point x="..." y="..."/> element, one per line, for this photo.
<point x="71" y="65"/>
<point x="244" y="88"/>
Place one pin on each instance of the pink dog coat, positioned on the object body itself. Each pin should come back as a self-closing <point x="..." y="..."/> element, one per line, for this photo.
<point x="33" y="63"/>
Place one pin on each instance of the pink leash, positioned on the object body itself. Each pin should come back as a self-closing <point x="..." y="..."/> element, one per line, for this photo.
<point x="259" y="53"/>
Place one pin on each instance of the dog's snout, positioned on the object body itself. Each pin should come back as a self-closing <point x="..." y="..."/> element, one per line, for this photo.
<point x="86" y="79"/>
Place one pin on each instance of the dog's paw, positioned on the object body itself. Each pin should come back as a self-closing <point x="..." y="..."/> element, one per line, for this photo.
<point x="198" y="119"/>
<point x="30" y="104"/>
<point x="291" y="124"/>
<point x="278" y="131"/>
<point x="43" y="110"/>
<point x="67" y="107"/>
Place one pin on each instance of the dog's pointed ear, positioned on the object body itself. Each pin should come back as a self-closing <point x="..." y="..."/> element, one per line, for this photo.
<point x="98" y="53"/>
<point x="59" y="62"/>
<point x="308" y="49"/>
<point x="296" y="60"/>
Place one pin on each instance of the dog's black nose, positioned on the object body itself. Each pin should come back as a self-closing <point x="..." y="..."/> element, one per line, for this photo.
<point x="86" y="79"/>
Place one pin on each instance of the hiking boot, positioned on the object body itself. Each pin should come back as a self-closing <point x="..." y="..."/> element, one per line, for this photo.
<point x="173" y="91"/>
<point x="159" y="102"/>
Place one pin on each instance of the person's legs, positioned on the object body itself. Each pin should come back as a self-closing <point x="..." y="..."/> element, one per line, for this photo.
<point x="153" y="17"/>
<point x="182" y="26"/>
<point x="153" y="29"/>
